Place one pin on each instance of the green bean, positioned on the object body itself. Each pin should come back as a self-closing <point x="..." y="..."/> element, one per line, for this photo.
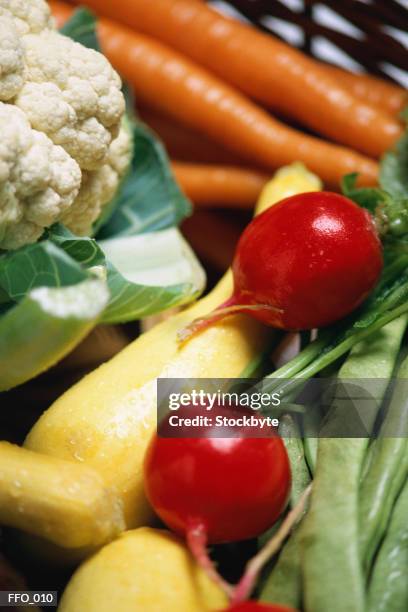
<point x="385" y="475"/>
<point x="290" y="433"/>
<point x="310" y="446"/>
<point x="388" y="589"/>
<point x="311" y="423"/>
<point x="387" y="472"/>
<point x="284" y="585"/>
<point x="329" y="533"/>
<point x="332" y="574"/>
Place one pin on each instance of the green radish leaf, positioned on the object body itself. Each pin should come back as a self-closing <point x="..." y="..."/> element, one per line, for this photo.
<point x="404" y="115"/>
<point x="366" y="197"/>
<point x="394" y="170"/>
<point x="145" y="274"/>
<point x="149" y="198"/>
<point x="4" y="298"/>
<point x="81" y="27"/>
<point x="46" y="325"/>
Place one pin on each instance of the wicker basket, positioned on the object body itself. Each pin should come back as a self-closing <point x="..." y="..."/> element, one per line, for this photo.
<point x="361" y="35"/>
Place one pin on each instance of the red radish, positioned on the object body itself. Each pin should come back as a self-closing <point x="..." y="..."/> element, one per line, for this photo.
<point x="219" y="489"/>
<point x="256" y="606"/>
<point x="303" y="263"/>
<point x="213" y="489"/>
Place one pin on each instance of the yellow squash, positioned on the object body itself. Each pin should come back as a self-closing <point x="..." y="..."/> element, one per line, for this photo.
<point x="107" y="419"/>
<point x="65" y="502"/>
<point x="145" y="569"/>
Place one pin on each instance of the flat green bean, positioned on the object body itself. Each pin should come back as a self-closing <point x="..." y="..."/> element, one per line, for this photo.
<point x="284" y="585"/>
<point x="310" y="448"/>
<point x="291" y="436"/>
<point x="388" y="588"/>
<point x="381" y="484"/>
<point x="385" y="475"/>
<point x="332" y="573"/>
<point x="329" y="533"/>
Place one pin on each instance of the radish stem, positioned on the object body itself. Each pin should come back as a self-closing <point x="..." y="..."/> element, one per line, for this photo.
<point x="197" y="542"/>
<point x="227" y="308"/>
<point x="247" y="583"/>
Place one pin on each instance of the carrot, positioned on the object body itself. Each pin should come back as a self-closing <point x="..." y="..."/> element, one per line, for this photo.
<point x="171" y="83"/>
<point x="261" y="66"/>
<point x="224" y="231"/>
<point x="61" y="12"/>
<point x="379" y="92"/>
<point x="181" y="143"/>
<point x="220" y="185"/>
<point x="178" y="87"/>
<point x="185" y="144"/>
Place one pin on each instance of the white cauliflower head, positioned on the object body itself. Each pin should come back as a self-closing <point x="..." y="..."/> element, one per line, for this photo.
<point x="99" y="187"/>
<point x="59" y="127"/>
<point x="73" y="95"/>
<point x="11" y="60"/>
<point x="29" y="16"/>
<point x="39" y="181"/>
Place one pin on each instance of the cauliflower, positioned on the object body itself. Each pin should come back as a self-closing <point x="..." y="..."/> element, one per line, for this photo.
<point x="29" y="16"/>
<point x="62" y="152"/>
<point x="73" y="95"/>
<point x="11" y="60"/>
<point x="99" y="187"/>
<point x="39" y="181"/>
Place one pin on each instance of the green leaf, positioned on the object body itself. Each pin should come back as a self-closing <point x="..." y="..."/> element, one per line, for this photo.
<point x="81" y="249"/>
<point x="394" y="170"/>
<point x="81" y="27"/>
<point x="46" y="325"/>
<point x="41" y="264"/>
<point x="149" y="198"/>
<point x="145" y="274"/>
<point x="54" y="291"/>
<point x="367" y="197"/>
<point x="150" y="273"/>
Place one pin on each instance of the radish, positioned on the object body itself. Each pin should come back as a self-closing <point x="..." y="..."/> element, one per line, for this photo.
<point x="211" y="489"/>
<point x="228" y="489"/>
<point x="305" y="262"/>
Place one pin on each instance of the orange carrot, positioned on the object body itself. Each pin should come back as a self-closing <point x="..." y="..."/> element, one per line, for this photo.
<point x="224" y="231"/>
<point x="211" y="185"/>
<point x="185" y="144"/>
<point x="61" y="12"/>
<point x="379" y="92"/>
<point x="261" y="66"/>
<point x="181" y="143"/>
<point x="374" y="90"/>
<point x="178" y="87"/>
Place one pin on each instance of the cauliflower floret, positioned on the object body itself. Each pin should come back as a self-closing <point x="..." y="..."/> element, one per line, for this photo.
<point x="99" y="187"/>
<point x="73" y="95"/>
<point x="39" y="181"/>
<point x="30" y="16"/>
<point x="11" y="60"/>
<point x="65" y="118"/>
